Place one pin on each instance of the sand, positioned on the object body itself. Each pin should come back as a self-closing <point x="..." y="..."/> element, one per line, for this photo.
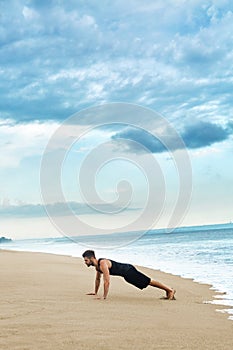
<point x="44" y="305"/>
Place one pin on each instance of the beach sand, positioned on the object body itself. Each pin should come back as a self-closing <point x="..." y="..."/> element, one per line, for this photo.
<point x="43" y="306"/>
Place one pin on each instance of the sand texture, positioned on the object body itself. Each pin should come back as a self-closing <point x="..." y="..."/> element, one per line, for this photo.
<point x="44" y="305"/>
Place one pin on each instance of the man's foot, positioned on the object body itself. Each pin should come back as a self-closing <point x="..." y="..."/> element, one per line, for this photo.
<point x="171" y="295"/>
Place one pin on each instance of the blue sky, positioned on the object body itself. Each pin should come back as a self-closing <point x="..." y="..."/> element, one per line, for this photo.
<point x="58" y="58"/>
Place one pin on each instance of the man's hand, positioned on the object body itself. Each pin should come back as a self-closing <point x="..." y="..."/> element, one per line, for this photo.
<point x="100" y="298"/>
<point x="96" y="298"/>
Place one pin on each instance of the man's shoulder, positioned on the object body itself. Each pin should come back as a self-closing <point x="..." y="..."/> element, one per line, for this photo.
<point x="105" y="262"/>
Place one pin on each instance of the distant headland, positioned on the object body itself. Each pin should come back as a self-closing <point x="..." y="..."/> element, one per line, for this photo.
<point x="5" y="240"/>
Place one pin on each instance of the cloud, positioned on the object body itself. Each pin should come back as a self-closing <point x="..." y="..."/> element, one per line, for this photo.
<point x="61" y="57"/>
<point x="204" y="134"/>
<point x="197" y="135"/>
<point x="143" y="140"/>
<point x="69" y="55"/>
<point x="19" y="141"/>
<point x="56" y="209"/>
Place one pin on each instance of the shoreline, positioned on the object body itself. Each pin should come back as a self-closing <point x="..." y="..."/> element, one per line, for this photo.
<point x="216" y="295"/>
<point x="44" y="303"/>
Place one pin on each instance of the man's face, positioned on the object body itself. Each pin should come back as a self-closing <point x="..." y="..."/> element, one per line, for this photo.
<point x="88" y="262"/>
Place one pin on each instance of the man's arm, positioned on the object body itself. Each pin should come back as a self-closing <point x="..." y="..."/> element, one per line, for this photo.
<point x="97" y="281"/>
<point x="105" y="270"/>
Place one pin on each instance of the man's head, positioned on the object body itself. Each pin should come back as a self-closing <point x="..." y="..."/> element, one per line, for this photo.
<point x="89" y="257"/>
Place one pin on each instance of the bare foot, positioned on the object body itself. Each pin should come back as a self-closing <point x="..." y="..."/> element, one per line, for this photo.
<point x="171" y="295"/>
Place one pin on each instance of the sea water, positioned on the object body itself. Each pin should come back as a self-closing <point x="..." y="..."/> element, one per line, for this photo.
<point x="203" y="253"/>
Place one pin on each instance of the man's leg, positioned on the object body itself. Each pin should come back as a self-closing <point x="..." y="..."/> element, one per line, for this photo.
<point x="169" y="291"/>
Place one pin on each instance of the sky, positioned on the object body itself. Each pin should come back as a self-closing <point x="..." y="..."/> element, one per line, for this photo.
<point x="115" y="116"/>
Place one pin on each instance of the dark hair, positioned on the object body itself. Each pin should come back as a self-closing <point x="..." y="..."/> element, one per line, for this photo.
<point x="89" y="254"/>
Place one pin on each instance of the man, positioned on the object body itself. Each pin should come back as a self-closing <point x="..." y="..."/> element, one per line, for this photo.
<point x="107" y="267"/>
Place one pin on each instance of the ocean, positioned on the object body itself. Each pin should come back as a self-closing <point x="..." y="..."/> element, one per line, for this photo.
<point x="203" y="253"/>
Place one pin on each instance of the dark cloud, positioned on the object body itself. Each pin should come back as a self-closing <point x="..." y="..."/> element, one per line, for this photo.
<point x="142" y="139"/>
<point x="27" y="210"/>
<point x="230" y="126"/>
<point x="62" y="56"/>
<point x="204" y="134"/>
<point x="200" y="134"/>
<point x="56" y="209"/>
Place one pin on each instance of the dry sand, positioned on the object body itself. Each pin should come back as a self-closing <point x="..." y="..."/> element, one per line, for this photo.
<point x="43" y="306"/>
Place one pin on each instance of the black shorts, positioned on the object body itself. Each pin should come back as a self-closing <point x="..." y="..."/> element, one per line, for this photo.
<point x="138" y="279"/>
